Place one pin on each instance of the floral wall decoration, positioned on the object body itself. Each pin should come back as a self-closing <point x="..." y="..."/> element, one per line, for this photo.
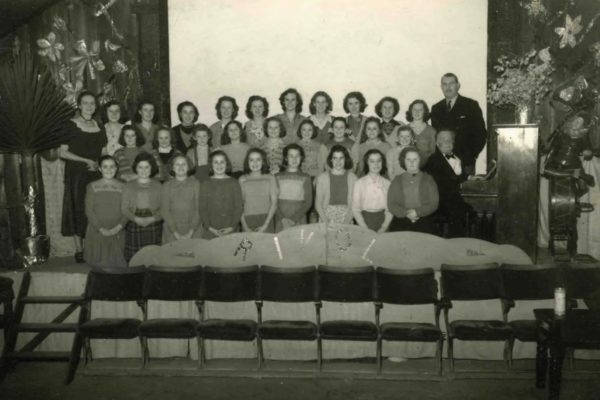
<point x="101" y="60"/>
<point x="560" y="73"/>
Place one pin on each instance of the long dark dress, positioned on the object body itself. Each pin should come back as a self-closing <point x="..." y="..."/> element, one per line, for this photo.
<point x="87" y="145"/>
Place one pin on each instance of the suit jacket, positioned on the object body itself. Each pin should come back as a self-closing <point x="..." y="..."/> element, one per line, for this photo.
<point x="448" y="183"/>
<point x="466" y="119"/>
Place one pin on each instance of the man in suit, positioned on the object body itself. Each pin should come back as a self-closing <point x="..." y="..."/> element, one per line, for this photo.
<point x="447" y="171"/>
<point x="463" y="116"/>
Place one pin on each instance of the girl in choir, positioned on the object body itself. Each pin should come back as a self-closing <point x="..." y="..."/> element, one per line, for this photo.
<point x="315" y="152"/>
<point x="131" y="142"/>
<point x="146" y="120"/>
<point x="112" y="126"/>
<point x="141" y="206"/>
<point x="180" y="202"/>
<point x="355" y="104"/>
<point x="369" y="195"/>
<point x="259" y="192"/>
<point x="164" y="150"/>
<point x="227" y="110"/>
<point x="371" y="138"/>
<point x="387" y="109"/>
<point x="183" y="133"/>
<point x="413" y="196"/>
<point x="221" y="204"/>
<point x="320" y="108"/>
<point x="104" y="235"/>
<point x="295" y="190"/>
<point x="291" y="104"/>
<point x="406" y="138"/>
<point x="257" y="110"/>
<point x="235" y="146"/>
<point x="199" y="152"/>
<point x="275" y="143"/>
<point x="334" y="188"/>
<point x="339" y="135"/>
<point x="417" y="116"/>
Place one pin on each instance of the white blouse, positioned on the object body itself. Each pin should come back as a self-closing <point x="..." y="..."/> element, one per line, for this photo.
<point x="370" y="194"/>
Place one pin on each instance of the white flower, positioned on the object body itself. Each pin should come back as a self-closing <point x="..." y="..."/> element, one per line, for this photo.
<point x="567" y="33"/>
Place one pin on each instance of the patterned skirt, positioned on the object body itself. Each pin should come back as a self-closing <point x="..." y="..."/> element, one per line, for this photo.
<point x="337" y="214"/>
<point x="137" y="236"/>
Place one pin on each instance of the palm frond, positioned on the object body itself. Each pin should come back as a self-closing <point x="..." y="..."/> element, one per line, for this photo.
<point x="32" y="107"/>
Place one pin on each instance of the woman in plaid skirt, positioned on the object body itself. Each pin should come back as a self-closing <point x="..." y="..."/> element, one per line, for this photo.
<point x="141" y="205"/>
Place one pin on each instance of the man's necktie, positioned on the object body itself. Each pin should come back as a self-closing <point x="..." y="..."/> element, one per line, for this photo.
<point x="448" y="105"/>
<point x="449" y="156"/>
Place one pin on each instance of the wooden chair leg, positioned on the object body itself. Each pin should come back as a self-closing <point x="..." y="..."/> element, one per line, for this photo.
<point x="145" y="351"/>
<point x="379" y="354"/>
<point x="451" y="354"/>
<point x="439" y="356"/>
<point x="200" y="352"/>
<point x="74" y="358"/>
<point x="259" y="351"/>
<point x="508" y="353"/>
<point x="511" y="345"/>
<point x="320" y="354"/>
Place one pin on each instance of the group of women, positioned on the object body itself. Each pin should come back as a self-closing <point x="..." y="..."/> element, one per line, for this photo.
<point x="137" y="184"/>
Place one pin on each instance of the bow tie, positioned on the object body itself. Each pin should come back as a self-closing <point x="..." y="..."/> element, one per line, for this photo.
<point x="449" y="156"/>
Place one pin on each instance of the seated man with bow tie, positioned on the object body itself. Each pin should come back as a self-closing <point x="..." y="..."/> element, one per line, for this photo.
<point x="448" y="173"/>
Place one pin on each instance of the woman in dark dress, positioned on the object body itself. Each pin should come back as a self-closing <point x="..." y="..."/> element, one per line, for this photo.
<point x="84" y="140"/>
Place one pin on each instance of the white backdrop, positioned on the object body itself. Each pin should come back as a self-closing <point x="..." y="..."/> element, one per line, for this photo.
<point x="380" y="47"/>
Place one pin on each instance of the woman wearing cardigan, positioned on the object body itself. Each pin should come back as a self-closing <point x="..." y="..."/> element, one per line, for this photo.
<point x="413" y="196"/>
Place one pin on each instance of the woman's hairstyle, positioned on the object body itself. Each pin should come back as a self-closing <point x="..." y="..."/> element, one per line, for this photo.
<point x="338" y="119"/>
<point x="104" y="116"/>
<point x="137" y="118"/>
<point x="338" y="148"/>
<point x="86" y="93"/>
<point x="406" y="128"/>
<point x="108" y="157"/>
<point x="171" y="136"/>
<point x="251" y="100"/>
<point x="265" y="162"/>
<point x="368" y="154"/>
<point x="282" y="130"/>
<point x="225" y="139"/>
<point x="311" y="106"/>
<point x="201" y="128"/>
<point x="363" y="133"/>
<point x="358" y="96"/>
<point x="230" y="99"/>
<point x="315" y="132"/>
<point x="172" y="163"/>
<point x="287" y="149"/>
<point x="392" y="100"/>
<point x="404" y="152"/>
<point x="143" y="156"/>
<point x="212" y="156"/>
<point x="299" y="102"/>
<point x="140" y="140"/>
<point x="187" y="104"/>
<point x="426" y="113"/>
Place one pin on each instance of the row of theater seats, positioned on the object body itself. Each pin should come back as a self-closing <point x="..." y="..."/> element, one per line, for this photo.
<point x="506" y="283"/>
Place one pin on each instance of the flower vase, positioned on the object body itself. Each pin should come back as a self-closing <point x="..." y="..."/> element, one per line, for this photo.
<point x="523" y="114"/>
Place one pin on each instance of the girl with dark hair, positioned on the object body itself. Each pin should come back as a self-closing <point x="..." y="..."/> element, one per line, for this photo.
<point x="259" y="192"/>
<point x="163" y="150"/>
<point x="291" y="104"/>
<point x="235" y="146"/>
<point x="199" y="152"/>
<point x="141" y="206"/>
<point x="295" y="190"/>
<point x="112" y="126"/>
<point x="182" y="134"/>
<point x="131" y="142"/>
<point x="227" y="110"/>
<point x="370" y="138"/>
<point x="417" y="116"/>
<point x="274" y="145"/>
<point x="320" y="108"/>
<point x="257" y="110"/>
<point x="387" y="108"/>
<point x="334" y="188"/>
<point x="104" y="233"/>
<point x="315" y="153"/>
<point x="406" y="138"/>
<point x="339" y="135"/>
<point x="146" y="120"/>
<point x="369" y="196"/>
<point x="355" y="104"/>
<point x="83" y="146"/>
<point x="221" y="202"/>
<point x="179" y="203"/>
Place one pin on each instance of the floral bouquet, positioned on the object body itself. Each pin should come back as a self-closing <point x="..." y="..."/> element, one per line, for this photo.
<point x="523" y="81"/>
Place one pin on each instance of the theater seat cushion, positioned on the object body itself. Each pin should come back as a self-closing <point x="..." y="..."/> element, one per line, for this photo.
<point x="110" y="328"/>
<point x="169" y="328"/>
<point x="409" y="332"/>
<point x="349" y="330"/>
<point x="288" y="330"/>
<point x="480" y="330"/>
<point x="226" y="329"/>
